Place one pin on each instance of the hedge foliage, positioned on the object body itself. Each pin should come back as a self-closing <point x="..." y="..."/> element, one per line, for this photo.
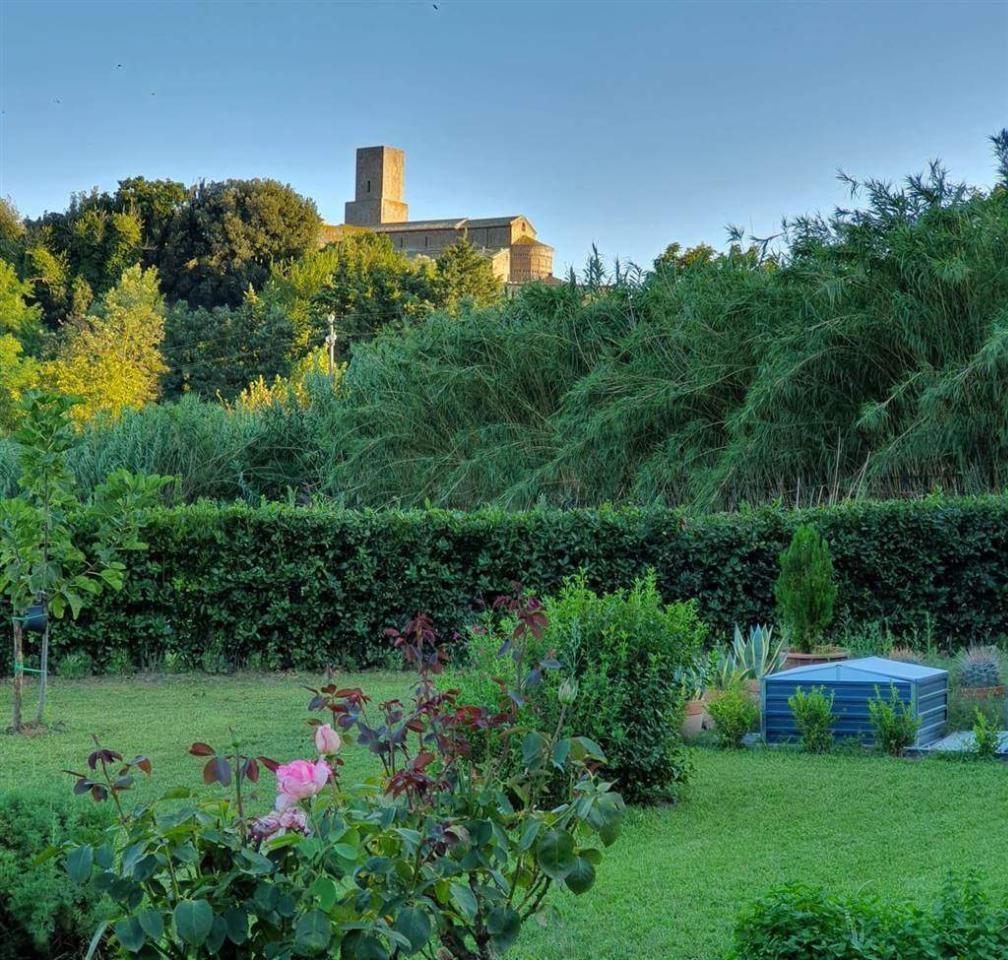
<point x="306" y="587"/>
<point x="800" y="922"/>
<point x="42" y="914"/>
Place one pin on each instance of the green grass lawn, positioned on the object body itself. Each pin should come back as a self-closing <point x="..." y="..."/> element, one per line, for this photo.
<point x="671" y="886"/>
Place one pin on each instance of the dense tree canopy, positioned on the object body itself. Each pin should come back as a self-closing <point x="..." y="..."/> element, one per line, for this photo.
<point x="226" y="236"/>
<point x="218" y="352"/>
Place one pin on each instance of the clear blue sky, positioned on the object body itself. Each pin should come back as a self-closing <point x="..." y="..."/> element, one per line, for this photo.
<point x="627" y="124"/>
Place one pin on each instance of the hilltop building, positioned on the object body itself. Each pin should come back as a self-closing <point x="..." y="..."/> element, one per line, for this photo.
<point x="508" y="242"/>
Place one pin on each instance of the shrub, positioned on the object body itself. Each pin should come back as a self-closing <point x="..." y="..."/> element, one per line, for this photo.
<point x="986" y="737"/>
<point x="734" y="715"/>
<point x="42" y="914"/>
<point x="440" y="855"/>
<point x="75" y="665"/>
<point x="305" y="585"/>
<point x="893" y="722"/>
<point x="805" y="589"/>
<point x="813" y="713"/>
<point x="119" y="663"/>
<point x="799" y="922"/>
<point x="980" y="666"/>
<point x="624" y="650"/>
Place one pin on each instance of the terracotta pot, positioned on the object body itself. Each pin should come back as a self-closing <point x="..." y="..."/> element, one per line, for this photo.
<point x="795" y="658"/>
<point x="693" y="721"/>
<point x="983" y="693"/>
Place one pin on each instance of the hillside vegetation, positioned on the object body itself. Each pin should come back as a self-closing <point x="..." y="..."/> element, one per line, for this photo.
<point x="860" y="354"/>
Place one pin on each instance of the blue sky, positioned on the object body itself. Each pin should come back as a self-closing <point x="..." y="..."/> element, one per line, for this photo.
<point x="621" y="123"/>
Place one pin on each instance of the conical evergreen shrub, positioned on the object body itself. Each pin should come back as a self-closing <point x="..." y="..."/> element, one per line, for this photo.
<point x="806" y="588"/>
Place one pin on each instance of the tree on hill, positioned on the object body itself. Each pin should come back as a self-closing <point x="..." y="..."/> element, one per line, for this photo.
<point x="372" y="287"/>
<point x="154" y="202"/>
<point x="219" y="352"/>
<point x="227" y="235"/>
<point x="461" y="273"/>
<point x="13" y="234"/>
<point x="111" y="357"/>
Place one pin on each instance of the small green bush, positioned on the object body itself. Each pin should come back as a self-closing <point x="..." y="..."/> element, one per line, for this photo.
<point x="986" y="737"/>
<point x="813" y="713"/>
<point x="801" y="923"/>
<point x="806" y="589"/>
<point x="120" y="663"/>
<point x="75" y="665"/>
<point x="735" y="714"/>
<point x="893" y="722"/>
<point x="42" y="913"/>
<point x="624" y="651"/>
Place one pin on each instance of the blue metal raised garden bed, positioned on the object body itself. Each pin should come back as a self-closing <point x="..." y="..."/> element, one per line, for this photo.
<point x="853" y="683"/>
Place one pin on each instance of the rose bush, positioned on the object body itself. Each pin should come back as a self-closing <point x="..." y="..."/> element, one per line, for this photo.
<point x="445" y="854"/>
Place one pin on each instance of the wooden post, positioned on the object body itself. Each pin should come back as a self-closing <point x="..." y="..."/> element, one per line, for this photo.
<point x="18" y="674"/>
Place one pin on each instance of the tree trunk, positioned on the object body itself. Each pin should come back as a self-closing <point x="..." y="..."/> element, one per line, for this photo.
<point x="43" y="668"/>
<point x="18" y="674"/>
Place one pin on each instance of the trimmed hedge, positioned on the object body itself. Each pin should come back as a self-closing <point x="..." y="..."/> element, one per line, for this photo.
<point x="311" y="586"/>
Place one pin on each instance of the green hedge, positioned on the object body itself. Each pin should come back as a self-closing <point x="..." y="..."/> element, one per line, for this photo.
<point x="309" y="586"/>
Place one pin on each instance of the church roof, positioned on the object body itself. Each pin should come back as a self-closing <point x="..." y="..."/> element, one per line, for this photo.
<point x="451" y="224"/>
<point x="456" y="224"/>
<point x="531" y="242"/>
<point x="495" y="221"/>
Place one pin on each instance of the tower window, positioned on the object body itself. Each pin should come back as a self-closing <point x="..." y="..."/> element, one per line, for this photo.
<point x="369" y="186"/>
<point x="425" y="241"/>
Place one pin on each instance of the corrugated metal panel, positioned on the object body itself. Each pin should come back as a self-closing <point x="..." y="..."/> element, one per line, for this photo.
<point x="853" y="683"/>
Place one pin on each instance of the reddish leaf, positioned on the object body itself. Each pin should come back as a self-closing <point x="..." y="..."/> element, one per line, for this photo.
<point x="270" y="765"/>
<point x="202" y="750"/>
<point x="252" y="769"/>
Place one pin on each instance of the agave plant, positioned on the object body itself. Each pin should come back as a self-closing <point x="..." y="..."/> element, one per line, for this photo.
<point x="758" y="653"/>
<point x="725" y="671"/>
<point x="980" y="667"/>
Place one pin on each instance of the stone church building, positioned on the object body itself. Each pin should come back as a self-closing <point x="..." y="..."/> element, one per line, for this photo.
<point x="508" y="242"/>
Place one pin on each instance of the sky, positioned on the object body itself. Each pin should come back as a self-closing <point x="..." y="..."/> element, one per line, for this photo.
<point x="624" y="124"/>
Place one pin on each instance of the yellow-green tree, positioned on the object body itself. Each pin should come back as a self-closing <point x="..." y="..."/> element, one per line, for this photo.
<point x="111" y="358"/>
<point x="19" y="326"/>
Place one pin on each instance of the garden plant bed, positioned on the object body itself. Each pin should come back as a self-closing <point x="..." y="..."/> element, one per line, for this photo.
<point x="676" y="879"/>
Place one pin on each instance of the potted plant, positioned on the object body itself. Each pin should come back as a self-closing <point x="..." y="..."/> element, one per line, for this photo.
<point x="694" y="693"/>
<point x="980" y="673"/>
<point x="805" y="591"/>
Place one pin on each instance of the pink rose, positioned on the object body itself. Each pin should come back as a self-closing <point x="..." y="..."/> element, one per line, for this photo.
<point x="327" y="740"/>
<point x="299" y="780"/>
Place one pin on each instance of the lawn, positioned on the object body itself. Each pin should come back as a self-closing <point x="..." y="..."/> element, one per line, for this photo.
<point x="673" y="883"/>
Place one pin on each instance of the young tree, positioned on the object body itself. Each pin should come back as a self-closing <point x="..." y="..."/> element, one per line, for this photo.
<point x="460" y="273"/>
<point x="44" y="558"/>
<point x="111" y="358"/>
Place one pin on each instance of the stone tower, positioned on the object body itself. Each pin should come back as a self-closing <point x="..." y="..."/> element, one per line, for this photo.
<point x="379" y="195"/>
